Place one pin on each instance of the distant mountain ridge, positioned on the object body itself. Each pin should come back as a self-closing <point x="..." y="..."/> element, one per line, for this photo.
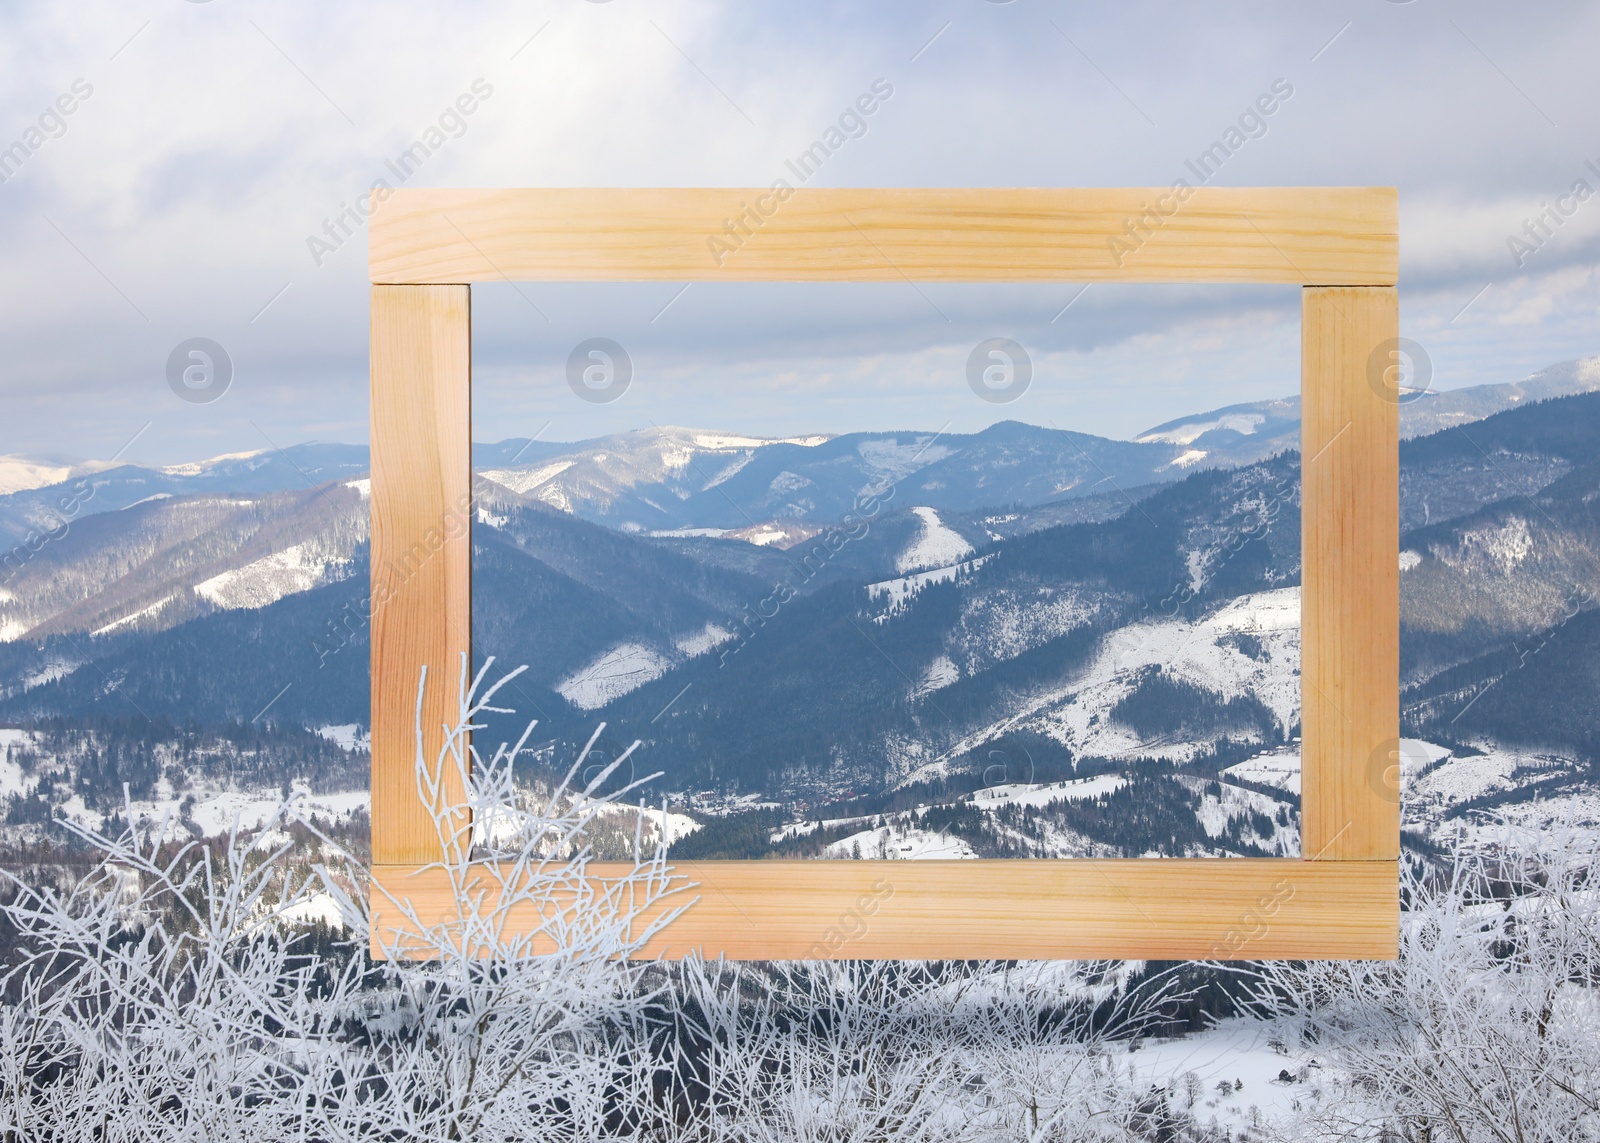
<point x="30" y="516"/>
<point x="1245" y="433"/>
<point x="672" y="479"/>
<point x="1114" y="673"/>
<point x="608" y="619"/>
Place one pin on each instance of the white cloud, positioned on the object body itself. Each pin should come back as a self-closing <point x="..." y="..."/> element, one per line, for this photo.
<point x="179" y="200"/>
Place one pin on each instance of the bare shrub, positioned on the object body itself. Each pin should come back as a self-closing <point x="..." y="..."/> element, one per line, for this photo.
<point x="175" y="993"/>
<point x="1488" y="1026"/>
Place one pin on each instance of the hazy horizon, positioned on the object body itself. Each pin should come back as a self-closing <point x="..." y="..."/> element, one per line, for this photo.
<point x="482" y="436"/>
<point x="541" y="431"/>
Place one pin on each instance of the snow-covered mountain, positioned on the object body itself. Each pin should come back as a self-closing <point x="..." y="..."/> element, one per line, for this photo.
<point x="51" y="500"/>
<point x="24" y="473"/>
<point x="1043" y="673"/>
<point x="675" y="479"/>
<point x="1242" y="434"/>
<point x="165" y="560"/>
<point x="684" y="480"/>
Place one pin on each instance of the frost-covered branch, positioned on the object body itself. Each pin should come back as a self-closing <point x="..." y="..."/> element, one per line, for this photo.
<point x="1488" y="1026"/>
<point x="178" y="993"/>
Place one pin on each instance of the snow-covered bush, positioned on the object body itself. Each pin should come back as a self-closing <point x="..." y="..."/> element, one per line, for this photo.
<point x="175" y="994"/>
<point x="1488" y="1026"/>
<point x="178" y="993"/>
<point x="170" y="995"/>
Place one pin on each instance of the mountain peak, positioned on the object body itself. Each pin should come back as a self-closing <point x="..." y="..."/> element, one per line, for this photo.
<point x="196" y="467"/>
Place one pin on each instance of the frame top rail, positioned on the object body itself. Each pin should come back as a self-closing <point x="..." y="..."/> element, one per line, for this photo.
<point x="1308" y="236"/>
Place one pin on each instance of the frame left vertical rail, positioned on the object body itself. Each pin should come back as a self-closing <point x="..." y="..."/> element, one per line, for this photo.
<point x="421" y="507"/>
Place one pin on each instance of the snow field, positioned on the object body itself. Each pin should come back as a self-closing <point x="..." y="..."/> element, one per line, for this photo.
<point x="1278" y="767"/>
<point x="896" y="592"/>
<point x="297" y="568"/>
<point x="613" y="674"/>
<point x="936" y="545"/>
<point x="1077" y="714"/>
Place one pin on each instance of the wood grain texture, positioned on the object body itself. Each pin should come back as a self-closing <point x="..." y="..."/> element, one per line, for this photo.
<point x="1341" y="241"/>
<point x="1180" y="908"/>
<point x="1300" y="235"/>
<point x="1350" y="546"/>
<point x="421" y="548"/>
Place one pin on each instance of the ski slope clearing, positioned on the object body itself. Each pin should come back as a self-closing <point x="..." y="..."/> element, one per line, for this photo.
<point x="936" y="545"/>
<point x="616" y="672"/>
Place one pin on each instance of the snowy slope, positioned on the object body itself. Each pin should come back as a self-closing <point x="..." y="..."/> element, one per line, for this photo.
<point x="1042" y="794"/>
<point x="1278" y="767"/>
<point x="937" y="545"/>
<point x="299" y="567"/>
<point x="897" y="592"/>
<point x="1202" y="652"/>
<point x="20" y="473"/>
<point x="613" y="674"/>
<point x="894" y="843"/>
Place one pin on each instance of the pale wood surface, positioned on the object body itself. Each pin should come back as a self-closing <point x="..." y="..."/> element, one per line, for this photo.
<point x="421" y="546"/>
<point x="1229" y="909"/>
<point x="1350" y="609"/>
<point x="1344" y="903"/>
<point x="1300" y="235"/>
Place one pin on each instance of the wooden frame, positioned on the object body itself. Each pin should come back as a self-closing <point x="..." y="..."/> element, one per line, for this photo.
<point x="1340" y="243"/>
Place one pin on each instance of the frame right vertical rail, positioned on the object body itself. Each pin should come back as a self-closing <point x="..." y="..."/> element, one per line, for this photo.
<point x="1350" y="603"/>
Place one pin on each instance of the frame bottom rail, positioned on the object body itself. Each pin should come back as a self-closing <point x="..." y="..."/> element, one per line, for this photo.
<point x="1146" y="909"/>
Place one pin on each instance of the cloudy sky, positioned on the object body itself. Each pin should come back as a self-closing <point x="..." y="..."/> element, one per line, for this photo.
<point x="207" y="143"/>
